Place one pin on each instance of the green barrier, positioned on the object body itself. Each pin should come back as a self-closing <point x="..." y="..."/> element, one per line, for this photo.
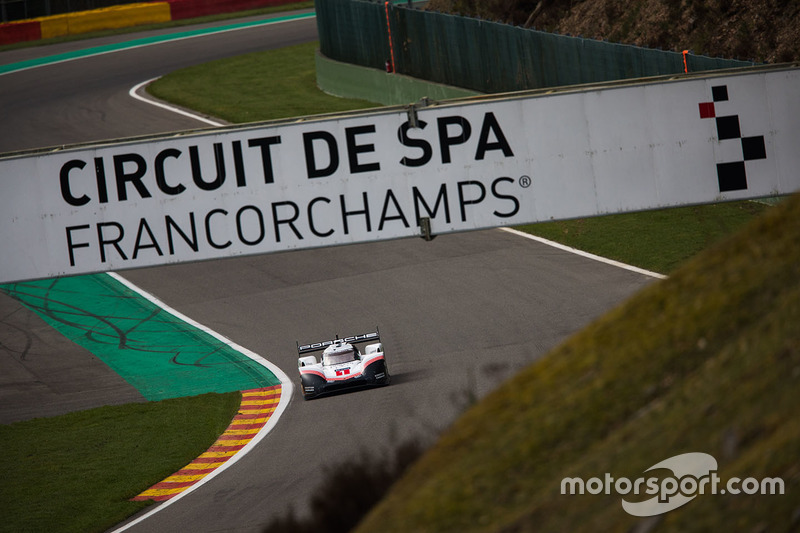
<point x="153" y="350"/>
<point x="484" y="56"/>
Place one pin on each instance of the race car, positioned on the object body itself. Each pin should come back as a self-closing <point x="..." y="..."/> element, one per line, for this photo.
<point x="341" y="365"/>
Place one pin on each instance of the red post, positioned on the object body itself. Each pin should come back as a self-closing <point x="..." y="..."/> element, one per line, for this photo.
<point x="390" y="63"/>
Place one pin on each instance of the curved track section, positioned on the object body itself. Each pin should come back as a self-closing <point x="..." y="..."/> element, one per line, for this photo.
<point x="87" y="99"/>
<point x="457" y="315"/>
<point x="41" y="373"/>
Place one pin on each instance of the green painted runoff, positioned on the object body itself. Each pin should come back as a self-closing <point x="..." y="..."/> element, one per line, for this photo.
<point x="153" y="350"/>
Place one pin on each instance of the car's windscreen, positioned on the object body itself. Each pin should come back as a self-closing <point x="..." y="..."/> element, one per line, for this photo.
<point x="338" y="357"/>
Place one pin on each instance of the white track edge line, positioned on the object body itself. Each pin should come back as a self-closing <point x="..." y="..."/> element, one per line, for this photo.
<point x="134" y="92"/>
<point x="287" y="390"/>
<point x="585" y="254"/>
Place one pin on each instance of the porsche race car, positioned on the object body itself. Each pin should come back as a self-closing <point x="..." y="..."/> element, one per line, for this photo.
<point x="341" y="365"/>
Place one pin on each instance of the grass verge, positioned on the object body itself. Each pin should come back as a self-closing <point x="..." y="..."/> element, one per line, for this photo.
<point x="254" y="87"/>
<point x="76" y="472"/>
<point x="654" y="240"/>
<point x="705" y="361"/>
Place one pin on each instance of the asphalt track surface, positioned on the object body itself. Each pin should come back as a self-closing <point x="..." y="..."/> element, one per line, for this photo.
<point x="457" y="315"/>
<point x="79" y="101"/>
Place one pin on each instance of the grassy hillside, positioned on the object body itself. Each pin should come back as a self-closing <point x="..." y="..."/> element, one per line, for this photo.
<point x="706" y="361"/>
<point x="762" y="30"/>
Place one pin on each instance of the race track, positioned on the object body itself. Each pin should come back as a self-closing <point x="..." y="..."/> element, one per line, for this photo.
<point x="457" y="315"/>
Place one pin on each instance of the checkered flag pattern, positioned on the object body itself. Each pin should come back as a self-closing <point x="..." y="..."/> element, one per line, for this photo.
<point x="732" y="176"/>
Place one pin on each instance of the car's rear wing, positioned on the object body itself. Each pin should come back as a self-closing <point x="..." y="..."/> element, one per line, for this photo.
<point x="317" y="346"/>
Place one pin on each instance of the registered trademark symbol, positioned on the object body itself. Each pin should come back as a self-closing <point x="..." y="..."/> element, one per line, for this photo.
<point x="525" y="182"/>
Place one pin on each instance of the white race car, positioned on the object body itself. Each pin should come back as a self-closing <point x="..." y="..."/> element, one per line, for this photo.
<point x="342" y="365"/>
